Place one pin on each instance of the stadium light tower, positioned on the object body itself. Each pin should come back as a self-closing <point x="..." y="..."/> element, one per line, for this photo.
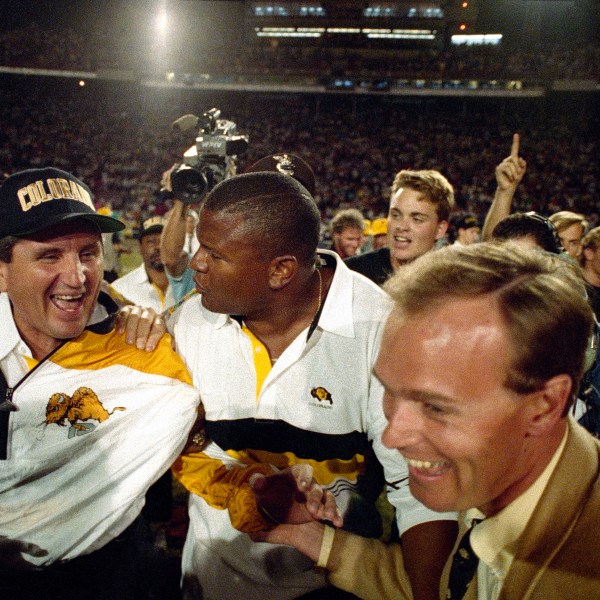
<point x="158" y="32"/>
<point x="162" y="20"/>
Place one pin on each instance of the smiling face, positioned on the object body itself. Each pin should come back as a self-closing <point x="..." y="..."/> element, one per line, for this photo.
<point x="53" y="282"/>
<point x="465" y="435"/>
<point x="347" y="242"/>
<point x="231" y="271"/>
<point x="413" y="226"/>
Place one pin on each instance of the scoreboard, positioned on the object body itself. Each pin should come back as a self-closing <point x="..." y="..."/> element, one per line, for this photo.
<point x="410" y="24"/>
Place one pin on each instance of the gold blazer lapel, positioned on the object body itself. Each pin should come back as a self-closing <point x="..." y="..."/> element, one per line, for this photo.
<point x="555" y="515"/>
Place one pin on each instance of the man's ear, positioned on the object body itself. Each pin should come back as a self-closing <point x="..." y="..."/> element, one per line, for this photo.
<point x="3" y="285"/>
<point x="442" y="227"/>
<point x="282" y="270"/>
<point x="548" y="405"/>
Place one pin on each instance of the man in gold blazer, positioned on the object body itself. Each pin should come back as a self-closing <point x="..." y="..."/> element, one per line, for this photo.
<point x="481" y="360"/>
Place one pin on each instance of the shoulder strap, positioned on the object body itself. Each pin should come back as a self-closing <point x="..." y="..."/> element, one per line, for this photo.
<point x="7" y="405"/>
<point x="5" y="411"/>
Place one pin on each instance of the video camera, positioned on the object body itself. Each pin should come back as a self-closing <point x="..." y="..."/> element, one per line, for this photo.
<point x="211" y="159"/>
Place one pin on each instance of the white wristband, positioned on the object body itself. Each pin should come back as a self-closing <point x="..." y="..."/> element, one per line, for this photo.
<point x="326" y="545"/>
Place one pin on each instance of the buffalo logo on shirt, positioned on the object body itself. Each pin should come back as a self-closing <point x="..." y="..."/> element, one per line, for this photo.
<point x="77" y="409"/>
<point x="321" y="394"/>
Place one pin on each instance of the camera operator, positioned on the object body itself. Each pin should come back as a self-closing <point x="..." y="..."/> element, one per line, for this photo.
<point x="210" y="160"/>
<point x="172" y="243"/>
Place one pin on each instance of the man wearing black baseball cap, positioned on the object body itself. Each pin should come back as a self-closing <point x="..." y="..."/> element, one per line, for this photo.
<point x="80" y="440"/>
<point x="467" y="228"/>
<point x="41" y="204"/>
<point x="36" y="199"/>
<point x="147" y="284"/>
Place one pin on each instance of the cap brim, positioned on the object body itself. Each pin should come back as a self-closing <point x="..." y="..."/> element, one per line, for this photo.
<point x="105" y="224"/>
<point x="153" y="229"/>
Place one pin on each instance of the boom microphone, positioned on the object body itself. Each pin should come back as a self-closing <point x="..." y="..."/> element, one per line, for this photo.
<point x="185" y="123"/>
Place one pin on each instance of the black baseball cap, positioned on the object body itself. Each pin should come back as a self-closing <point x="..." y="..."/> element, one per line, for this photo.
<point x="152" y="225"/>
<point x="37" y="199"/>
<point x="288" y="164"/>
<point x="467" y="221"/>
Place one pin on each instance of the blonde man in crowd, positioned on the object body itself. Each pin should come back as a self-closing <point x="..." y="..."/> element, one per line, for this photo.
<point x="347" y="232"/>
<point x="420" y="207"/>
<point x="571" y="228"/>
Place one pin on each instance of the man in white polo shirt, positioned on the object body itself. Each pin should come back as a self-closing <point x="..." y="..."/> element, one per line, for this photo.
<point x="147" y="285"/>
<point x="281" y="342"/>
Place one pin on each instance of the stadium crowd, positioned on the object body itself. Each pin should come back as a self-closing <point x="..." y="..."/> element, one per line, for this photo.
<point x="71" y="50"/>
<point x="121" y="143"/>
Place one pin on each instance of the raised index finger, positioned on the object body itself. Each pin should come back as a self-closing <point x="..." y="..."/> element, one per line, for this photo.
<point x="514" y="151"/>
<point x="303" y="474"/>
